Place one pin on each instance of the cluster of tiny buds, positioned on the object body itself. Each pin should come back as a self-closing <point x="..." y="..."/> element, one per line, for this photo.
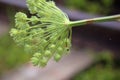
<point x="41" y="59"/>
<point x="43" y="34"/>
<point x="47" y="33"/>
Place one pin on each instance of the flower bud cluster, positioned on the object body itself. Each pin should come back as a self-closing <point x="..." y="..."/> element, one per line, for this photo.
<point x="45" y="34"/>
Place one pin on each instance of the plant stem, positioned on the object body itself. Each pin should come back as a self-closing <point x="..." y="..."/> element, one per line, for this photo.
<point x="93" y="20"/>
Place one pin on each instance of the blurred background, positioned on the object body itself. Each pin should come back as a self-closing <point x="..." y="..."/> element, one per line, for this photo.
<point x="95" y="53"/>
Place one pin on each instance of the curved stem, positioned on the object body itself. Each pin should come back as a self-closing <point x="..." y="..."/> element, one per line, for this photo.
<point x="93" y="20"/>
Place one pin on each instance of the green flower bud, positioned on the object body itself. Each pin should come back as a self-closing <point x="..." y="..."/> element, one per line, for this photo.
<point x="35" y="61"/>
<point x="52" y="46"/>
<point x="60" y="49"/>
<point x="47" y="53"/>
<point x="34" y="19"/>
<point x="57" y="57"/>
<point x="43" y="62"/>
<point x="38" y="55"/>
<point x="21" y="16"/>
<point x="31" y="5"/>
<point x="13" y="32"/>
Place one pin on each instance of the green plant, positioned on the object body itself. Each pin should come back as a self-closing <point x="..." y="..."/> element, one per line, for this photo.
<point x="94" y="6"/>
<point x="48" y="31"/>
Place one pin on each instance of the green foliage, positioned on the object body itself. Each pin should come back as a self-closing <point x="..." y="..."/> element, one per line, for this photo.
<point x="103" y="70"/>
<point x="11" y="55"/>
<point x="99" y="73"/>
<point x="91" y="6"/>
<point x="45" y="33"/>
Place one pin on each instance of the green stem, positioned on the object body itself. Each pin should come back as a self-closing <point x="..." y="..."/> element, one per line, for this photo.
<point x="93" y="20"/>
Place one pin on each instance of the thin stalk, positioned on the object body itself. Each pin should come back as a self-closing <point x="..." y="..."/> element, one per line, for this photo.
<point x="94" y="20"/>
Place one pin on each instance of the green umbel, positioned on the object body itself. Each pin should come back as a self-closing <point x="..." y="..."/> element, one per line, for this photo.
<point x="47" y="33"/>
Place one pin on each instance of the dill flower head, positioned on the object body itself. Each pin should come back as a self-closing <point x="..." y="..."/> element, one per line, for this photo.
<point x="46" y="33"/>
